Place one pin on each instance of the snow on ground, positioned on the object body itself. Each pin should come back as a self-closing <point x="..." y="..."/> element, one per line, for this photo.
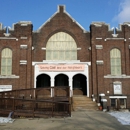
<point x="123" y="117"/>
<point x="6" y="120"/>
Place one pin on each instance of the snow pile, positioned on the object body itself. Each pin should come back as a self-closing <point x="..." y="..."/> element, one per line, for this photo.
<point x="123" y="117"/>
<point x="6" y="120"/>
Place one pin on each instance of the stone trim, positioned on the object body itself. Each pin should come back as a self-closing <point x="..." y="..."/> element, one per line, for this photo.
<point x="114" y="39"/>
<point x="23" y="46"/>
<point x="43" y="48"/>
<point x="78" y="48"/>
<point x="126" y="23"/>
<point x="23" y="37"/>
<point x="9" y="76"/>
<point x="117" y="82"/>
<point x="99" y="46"/>
<point x="9" y="38"/>
<point x="100" y="24"/>
<point x="99" y="62"/>
<point x="98" y="38"/>
<point x="117" y="96"/>
<point x="117" y="76"/>
<point x="120" y="26"/>
<point x="25" y="23"/>
<point x="101" y="94"/>
<point x="23" y="62"/>
<point x="61" y="62"/>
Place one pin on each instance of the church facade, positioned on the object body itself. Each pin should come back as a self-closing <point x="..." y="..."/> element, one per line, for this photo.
<point x="61" y="52"/>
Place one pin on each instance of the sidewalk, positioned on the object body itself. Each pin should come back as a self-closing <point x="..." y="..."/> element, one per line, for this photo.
<point x="80" y="120"/>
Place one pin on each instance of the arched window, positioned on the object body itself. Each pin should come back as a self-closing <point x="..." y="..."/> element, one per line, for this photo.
<point x="61" y="46"/>
<point x="115" y="58"/>
<point x="6" y="61"/>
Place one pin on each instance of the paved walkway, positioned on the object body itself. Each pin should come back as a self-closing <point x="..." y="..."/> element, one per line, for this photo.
<point x="80" y="120"/>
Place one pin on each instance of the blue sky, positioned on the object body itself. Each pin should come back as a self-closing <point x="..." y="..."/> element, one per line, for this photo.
<point x="84" y="12"/>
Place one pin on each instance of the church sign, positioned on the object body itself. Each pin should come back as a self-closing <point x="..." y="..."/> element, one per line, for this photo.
<point x="65" y="67"/>
<point x="117" y="89"/>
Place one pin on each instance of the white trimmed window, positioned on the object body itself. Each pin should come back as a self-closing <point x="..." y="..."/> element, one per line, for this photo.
<point x="115" y="59"/>
<point x="6" y="61"/>
<point x="61" y="46"/>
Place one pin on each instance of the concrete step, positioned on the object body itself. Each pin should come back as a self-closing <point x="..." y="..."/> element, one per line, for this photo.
<point x="92" y="104"/>
<point x="83" y="102"/>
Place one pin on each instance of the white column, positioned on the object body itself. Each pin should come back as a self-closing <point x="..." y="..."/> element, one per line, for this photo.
<point x="87" y="78"/>
<point x="52" y="82"/>
<point x="71" y="88"/>
<point x="52" y="85"/>
<point x="35" y="81"/>
<point x="87" y="86"/>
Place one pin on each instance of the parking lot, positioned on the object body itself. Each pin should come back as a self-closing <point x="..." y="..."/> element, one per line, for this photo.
<point x="80" y="120"/>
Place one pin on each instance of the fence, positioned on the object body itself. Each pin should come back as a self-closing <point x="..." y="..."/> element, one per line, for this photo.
<point x="43" y="102"/>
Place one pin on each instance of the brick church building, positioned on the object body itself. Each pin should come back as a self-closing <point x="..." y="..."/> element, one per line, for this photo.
<point x="61" y="52"/>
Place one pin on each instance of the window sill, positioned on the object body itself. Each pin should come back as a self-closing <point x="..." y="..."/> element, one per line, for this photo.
<point x="9" y="77"/>
<point x="117" y="76"/>
<point x="118" y="97"/>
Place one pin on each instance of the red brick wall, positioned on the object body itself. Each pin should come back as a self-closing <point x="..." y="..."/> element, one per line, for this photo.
<point x="23" y="71"/>
<point x="99" y="83"/>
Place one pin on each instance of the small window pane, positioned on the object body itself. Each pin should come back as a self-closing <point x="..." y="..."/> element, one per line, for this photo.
<point x="122" y="102"/>
<point x="113" y="102"/>
<point x="48" y="55"/>
<point x="9" y="62"/>
<point x="112" y="62"/>
<point x="118" y="70"/>
<point x="118" y="62"/>
<point x="67" y="55"/>
<point x="3" y="62"/>
<point x="55" y="55"/>
<point x="113" y="71"/>
<point x="8" y="71"/>
<point x="3" y="70"/>
<point x="73" y="55"/>
<point x="61" y="55"/>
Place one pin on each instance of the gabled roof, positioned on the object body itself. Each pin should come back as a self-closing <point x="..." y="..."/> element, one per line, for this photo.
<point x="64" y="11"/>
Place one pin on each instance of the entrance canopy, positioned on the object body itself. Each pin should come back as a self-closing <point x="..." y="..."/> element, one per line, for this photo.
<point x="74" y="75"/>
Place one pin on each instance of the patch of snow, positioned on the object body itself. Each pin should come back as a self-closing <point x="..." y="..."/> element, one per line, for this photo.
<point x="122" y="117"/>
<point x="6" y="120"/>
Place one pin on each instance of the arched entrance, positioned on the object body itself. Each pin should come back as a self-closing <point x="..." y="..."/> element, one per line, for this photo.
<point x="61" y="80"/>
<point x="79" y="85"/>
<point x="43" y="80"/>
